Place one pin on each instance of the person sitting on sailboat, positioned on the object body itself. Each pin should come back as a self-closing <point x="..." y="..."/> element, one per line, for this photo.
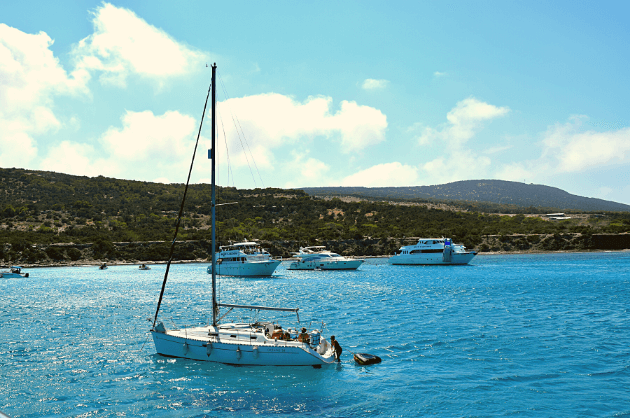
<point x="304" y="337"/>
<point x="280" y="334"/>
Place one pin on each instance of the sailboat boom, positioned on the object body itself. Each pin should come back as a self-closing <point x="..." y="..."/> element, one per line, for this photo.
<point x="262" y="308"/>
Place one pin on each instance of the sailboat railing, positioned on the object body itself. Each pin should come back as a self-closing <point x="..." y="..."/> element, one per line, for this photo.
<point x="262" y="308"/>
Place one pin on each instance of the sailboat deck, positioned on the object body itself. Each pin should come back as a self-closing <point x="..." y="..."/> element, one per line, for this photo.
<point x="198" y="333"/>
<point x="234" y="335"/>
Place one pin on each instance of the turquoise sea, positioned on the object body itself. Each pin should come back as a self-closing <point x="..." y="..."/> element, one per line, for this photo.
<point x="530" y="335"/>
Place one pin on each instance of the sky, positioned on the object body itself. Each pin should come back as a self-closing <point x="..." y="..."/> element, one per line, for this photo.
<point x="326" y="93"/>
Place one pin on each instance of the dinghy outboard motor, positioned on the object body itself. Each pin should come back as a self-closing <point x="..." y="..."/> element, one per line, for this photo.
<point x="322" y="347"/>
<point x="364" y="359"/>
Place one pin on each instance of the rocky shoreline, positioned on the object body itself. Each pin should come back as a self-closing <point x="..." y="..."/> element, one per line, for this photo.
<point x="157" y="252"/>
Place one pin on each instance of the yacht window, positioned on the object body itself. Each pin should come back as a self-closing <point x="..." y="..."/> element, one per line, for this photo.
<point x="431" y="251"/>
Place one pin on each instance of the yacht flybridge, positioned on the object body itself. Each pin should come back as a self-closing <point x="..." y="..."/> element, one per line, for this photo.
<point x="318" y="258"/>
<point x="433" y="251"/>
<point x="259" y="343"/>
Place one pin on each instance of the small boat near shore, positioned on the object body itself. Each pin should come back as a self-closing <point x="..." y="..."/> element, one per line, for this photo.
<point x="15" y="272"/>
<point x="244" y="259"/>
<point x="144" y="267"/>
<point x="433" y="251"/>
<point x="319" y="258"/>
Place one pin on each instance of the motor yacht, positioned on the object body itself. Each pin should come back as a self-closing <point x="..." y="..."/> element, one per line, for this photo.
<point x="244" y="259"/>
<point x="319" y="258"/>
<point x="433" y="251"/>
<point x="15" y="272"/>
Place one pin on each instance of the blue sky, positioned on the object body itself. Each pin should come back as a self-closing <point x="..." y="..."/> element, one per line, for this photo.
<point x="324" y="93"/>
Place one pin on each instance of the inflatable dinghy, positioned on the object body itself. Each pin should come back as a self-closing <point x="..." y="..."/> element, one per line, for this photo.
<point x="365" y="359"/>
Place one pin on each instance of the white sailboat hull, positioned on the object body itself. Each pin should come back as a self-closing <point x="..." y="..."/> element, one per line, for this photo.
<point x="196" y="344"/>
<point x="431" y="259"/>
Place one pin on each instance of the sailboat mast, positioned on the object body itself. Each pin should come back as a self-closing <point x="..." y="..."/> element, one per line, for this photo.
<point x="181" y="208"/>
<point x="215" y="306"/>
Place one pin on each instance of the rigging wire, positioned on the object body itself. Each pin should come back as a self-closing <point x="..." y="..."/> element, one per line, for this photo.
<point x="216" y="155"/>
<point x="227" y="153"/>
<point x="239" y="132"/>
<point x="230" y="173"/>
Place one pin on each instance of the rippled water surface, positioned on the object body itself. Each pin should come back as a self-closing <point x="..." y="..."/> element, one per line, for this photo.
<point x="530" y="335"/>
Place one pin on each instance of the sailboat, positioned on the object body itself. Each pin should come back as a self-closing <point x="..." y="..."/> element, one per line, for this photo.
<point x="260" y="343"/>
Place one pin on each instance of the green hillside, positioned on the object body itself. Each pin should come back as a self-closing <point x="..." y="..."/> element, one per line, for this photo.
<point x="487" y="195"/>
<point x="44" y="208"/>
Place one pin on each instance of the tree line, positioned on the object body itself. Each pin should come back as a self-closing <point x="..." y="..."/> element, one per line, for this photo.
<point x="46" y="208"/>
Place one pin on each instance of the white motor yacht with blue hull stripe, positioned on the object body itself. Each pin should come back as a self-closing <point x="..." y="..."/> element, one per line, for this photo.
<point x="318" y="258"/>
<point x="433" y="251"/>
<point x="244" y="259"/>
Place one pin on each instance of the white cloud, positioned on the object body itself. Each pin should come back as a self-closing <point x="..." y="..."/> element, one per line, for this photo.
<point x="313" y="169"/>
<point x="360" y="126"/>
<point x="124" y="44"/>
<point x="463" y="121"/>
<point x="73" y="158"/>
<point x="371" y="84"/>
<point x="381" y="175"/>
<point x="575" y="150"/>
<point x="568" y="148"/>
<point x="145" y="147"/>
<point x="273" y="120"/>
<point x="30" y="77"/>
<point x="456" y="165"/>
<point x="458" y="162"/>
<point x="153" y="147"/>
<point x="438" y="74"/>
<point x="147" y="144"/>
<point x="307" y="171"/>
<point x="498" y="149"/>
